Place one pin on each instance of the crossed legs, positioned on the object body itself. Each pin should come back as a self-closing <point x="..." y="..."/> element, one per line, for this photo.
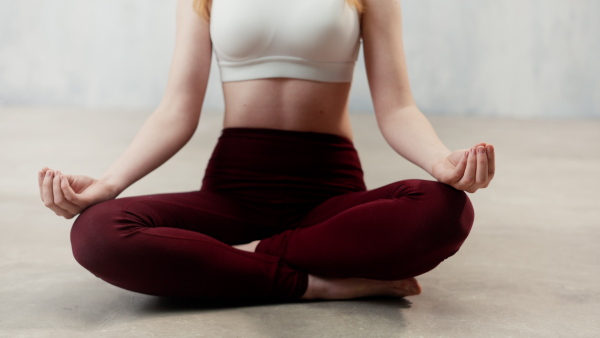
<point x="392" y="234"/>
<point x="181" y="244"/>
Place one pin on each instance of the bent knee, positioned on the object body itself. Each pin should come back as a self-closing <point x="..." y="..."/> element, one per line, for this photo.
<point x="93" y="232"/>
<point x="449" y="211"/>
<point x="457" y="205"/>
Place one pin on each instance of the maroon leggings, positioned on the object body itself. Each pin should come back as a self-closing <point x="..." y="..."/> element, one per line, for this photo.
<point x="301" y="193"/>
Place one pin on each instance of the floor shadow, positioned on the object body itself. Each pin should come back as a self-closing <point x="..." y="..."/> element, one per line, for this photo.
<point x="172" y="304"/>
<point x="401" y="303"/>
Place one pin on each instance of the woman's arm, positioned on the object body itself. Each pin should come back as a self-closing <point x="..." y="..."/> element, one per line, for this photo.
<point x="401" y="122"/>
<point x="163" y="134"/>
<point x="173" y="123"/>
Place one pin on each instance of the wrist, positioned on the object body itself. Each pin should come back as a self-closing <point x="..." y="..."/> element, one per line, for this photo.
<point x="114" y="187"/>
<point x="438" y="157"/>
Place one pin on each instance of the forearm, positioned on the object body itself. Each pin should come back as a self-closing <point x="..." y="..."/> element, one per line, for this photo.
<point x="411" y="135"/>
<point x="163" y="134"/>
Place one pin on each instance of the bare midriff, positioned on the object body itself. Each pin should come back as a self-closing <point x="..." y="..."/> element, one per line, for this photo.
<point x="288" y="104"/>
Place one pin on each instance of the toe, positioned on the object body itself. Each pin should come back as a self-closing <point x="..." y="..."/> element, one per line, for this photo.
<point x="407" y="287"/>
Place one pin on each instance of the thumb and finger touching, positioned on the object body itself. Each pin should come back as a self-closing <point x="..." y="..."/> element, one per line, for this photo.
<point x="482" y="167"/>
<point x="59" y="195"/>
<point x="469" y="175"/>
<point x="68" y="191"/>
<point x="48" y="194"/>
<point x="479" y="169"/>
<point x="69" y="209"/>
<point x="82" y="198"/>
<point x="459" y="171"/>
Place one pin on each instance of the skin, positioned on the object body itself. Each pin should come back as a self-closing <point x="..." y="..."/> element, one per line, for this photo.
<point x="292" y="104"/>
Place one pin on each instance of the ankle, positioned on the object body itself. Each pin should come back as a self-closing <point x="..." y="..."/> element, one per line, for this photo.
<point x="313" y="288"/>
<point x="249" y="247"/>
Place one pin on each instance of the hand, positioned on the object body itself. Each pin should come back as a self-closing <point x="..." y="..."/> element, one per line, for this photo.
<point x="68" y="195"/>
<point x="467" y="169"/>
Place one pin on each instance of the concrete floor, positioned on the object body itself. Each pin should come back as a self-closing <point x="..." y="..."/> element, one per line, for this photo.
<point x="530" y="268"/>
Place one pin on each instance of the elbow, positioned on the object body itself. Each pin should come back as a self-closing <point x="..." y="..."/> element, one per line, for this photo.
<point x="177" y="122"/>
<point x="392" y="117"/>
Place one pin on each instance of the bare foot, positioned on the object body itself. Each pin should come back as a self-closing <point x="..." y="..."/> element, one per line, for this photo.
<point x="348" y="288"/>
<point x="250" y="247"/>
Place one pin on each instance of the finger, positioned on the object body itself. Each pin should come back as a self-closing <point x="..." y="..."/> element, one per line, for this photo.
<point x="459" y="170"/>
<point x="45" y="170"/>
<point x="468" y="178"/>
<point x="481" y="176"/>
<point x="40" y="181"/>
<point x="48" y="193"/>
<point x="47" y="196"/>
<point x="59" y="199"/>
<point x="491" y="155"/>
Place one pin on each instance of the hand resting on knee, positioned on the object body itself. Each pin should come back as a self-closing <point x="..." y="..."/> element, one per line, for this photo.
<point x="68" y="195"/>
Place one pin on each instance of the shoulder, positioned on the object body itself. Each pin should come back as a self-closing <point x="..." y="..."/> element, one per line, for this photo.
<point x="381" y="11"/>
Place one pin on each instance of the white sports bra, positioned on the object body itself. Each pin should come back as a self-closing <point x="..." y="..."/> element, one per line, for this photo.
<point x="306" y="39"/>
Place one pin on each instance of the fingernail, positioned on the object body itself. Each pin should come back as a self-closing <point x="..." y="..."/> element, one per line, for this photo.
<point x="481" y="150"/>
<point x="472" y="150"/>
<point x="414" y="289"/>
<point x="48" y="173"/>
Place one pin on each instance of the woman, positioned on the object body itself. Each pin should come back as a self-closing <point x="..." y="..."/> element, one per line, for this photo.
<point x="283" y="212"/>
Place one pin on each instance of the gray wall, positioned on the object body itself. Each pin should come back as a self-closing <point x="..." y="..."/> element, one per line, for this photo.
<point x="511" y="58"/>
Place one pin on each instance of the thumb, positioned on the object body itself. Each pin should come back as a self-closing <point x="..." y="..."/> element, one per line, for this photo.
<point x="67" y="191"/>
<point x="456" y="156"/>
<point x="70" y="179"/>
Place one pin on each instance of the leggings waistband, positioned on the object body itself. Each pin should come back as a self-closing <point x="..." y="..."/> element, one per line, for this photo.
<point x="274" y="162"/>
<point x="304" y="136"/>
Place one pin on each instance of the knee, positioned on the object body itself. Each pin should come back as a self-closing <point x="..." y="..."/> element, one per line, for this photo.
<point x="93" y="232"/>
<point x="454" y="214"/>
<point x="448" y="213"/>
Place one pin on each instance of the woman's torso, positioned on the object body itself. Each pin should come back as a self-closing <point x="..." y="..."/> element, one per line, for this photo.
<point x="288" y="104"/>
<point x="324" y="32"/>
